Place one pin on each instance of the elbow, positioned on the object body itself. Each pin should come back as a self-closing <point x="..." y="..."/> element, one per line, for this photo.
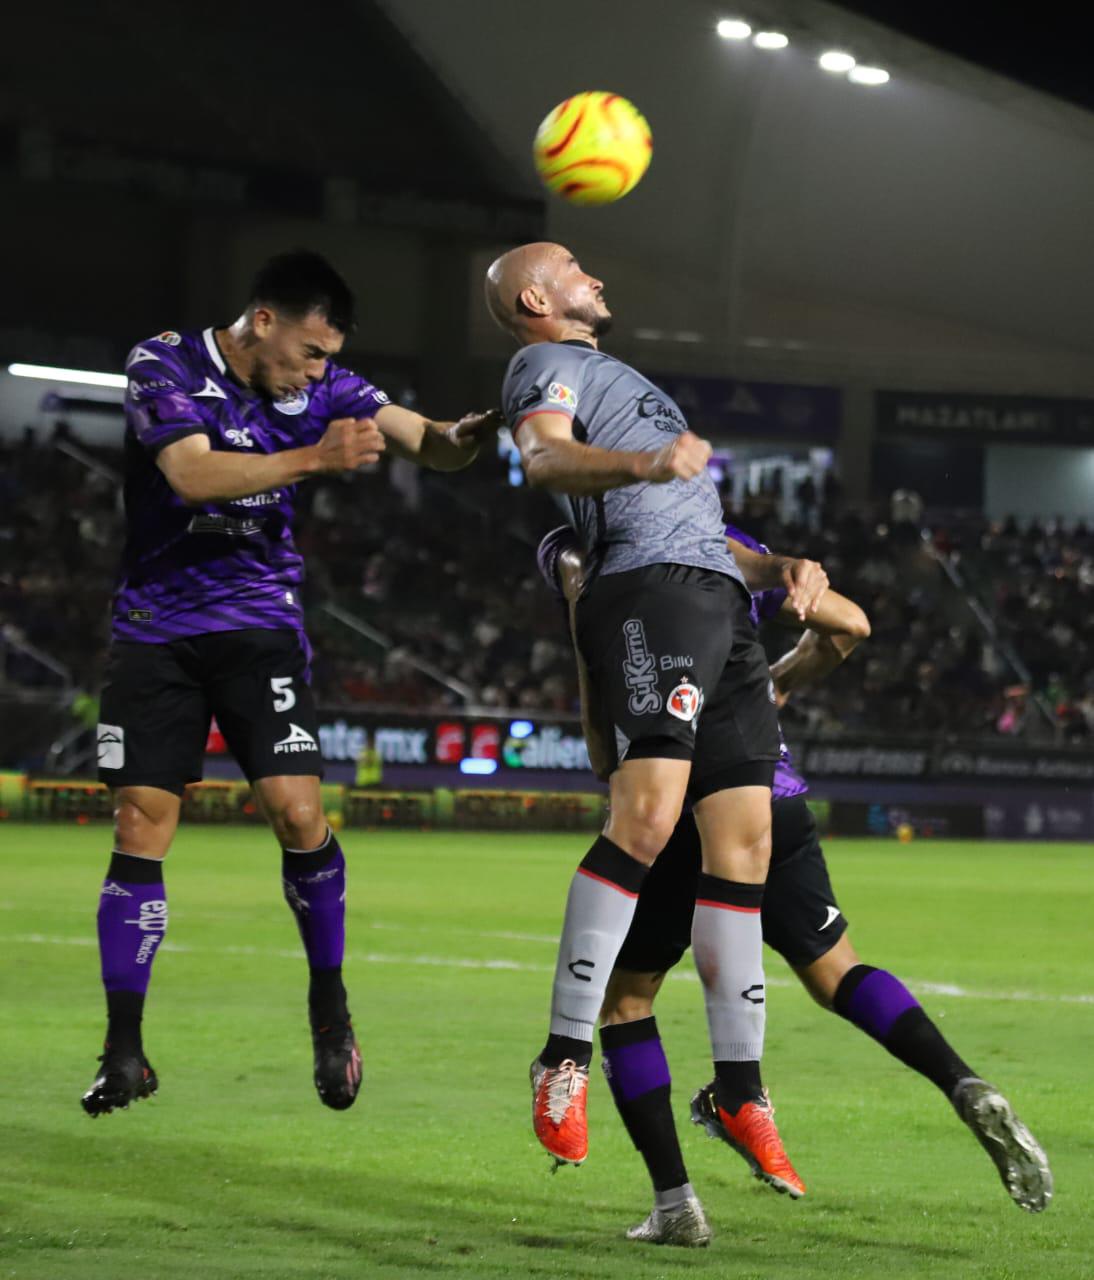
<point x="188" y="489"/>
<point x="859" y="626"/>
<point x="536" y="471"/>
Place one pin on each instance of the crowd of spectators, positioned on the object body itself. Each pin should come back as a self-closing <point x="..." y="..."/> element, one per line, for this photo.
<point x="423" y="592"/>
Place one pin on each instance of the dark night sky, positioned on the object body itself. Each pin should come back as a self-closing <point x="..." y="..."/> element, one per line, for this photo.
<point x="1043" y="45"/>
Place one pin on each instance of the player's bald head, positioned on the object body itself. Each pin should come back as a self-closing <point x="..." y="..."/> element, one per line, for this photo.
<point x="507" y="277"/>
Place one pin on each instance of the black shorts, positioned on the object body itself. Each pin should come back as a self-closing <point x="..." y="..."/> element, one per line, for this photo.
<point x="158" y="700"/>
<point x="677" y="672"/>
<point x="801" y="920"/>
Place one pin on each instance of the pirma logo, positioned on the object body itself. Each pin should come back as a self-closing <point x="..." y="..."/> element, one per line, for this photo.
<point x="110" y="746"/>
<point x="297" y="740"/>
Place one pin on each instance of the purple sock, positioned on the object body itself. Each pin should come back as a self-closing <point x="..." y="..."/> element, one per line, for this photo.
<point x="634" y="1059"/>
<point x="315" y="889"/>
<point x="132" y="922"/>
<point x="873" y="1000"/>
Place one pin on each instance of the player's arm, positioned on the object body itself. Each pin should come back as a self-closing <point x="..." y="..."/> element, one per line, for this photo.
<point x="554" y="460"/>
<point x="836" y="627"/>
<point x="198" y="473"/>
<point x="804" y="581"/>
<point x="442" y="446"/>
<point x="571" y="578"/>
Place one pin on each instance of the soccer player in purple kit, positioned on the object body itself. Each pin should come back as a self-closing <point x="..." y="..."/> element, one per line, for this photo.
<point x="222" y="424"/>
<point x="801" y="920"/>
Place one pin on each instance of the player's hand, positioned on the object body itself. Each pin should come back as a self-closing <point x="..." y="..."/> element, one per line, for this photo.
<point x="681" y="459"/>
<point x="805" y="582"/>
<point x="349" y="443"/>
<point x="473" y="428"/>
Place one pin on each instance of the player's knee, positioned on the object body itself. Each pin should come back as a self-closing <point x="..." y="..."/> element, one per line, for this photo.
<point x="299" y="824"/>
<point x="143" y="825"/>
<point x="643" y="828"/>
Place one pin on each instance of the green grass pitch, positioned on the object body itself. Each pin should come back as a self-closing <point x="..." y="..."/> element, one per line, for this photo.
<point x="236" y="1170"/>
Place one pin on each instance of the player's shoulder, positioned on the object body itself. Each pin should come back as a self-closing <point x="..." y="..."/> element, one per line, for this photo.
<point x="344" y="388"/>
<point x="175" y="352"/>
<point x="543" y="355"/>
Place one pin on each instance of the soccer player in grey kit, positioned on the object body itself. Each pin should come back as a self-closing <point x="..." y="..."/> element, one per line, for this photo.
<point x="663" y="627"/>
<point x="222" y="424"/>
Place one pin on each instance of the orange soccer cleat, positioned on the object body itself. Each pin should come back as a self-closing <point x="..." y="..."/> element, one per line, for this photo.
<point x="558" y="1110"/>
<point x="752" y="1134"/>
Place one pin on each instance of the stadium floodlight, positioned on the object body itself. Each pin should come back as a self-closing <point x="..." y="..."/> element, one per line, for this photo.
<point x="770" y="40"/>
<point x="49" y="374"/>
<point x="836" y="61"/>
<point x="868" y="75"/>
<point x="521" y="729"/>
<point x="733" y="29"/>
<point x="478" y="764"/>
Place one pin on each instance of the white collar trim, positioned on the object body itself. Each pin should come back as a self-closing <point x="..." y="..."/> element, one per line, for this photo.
<point x="213" y="350"/>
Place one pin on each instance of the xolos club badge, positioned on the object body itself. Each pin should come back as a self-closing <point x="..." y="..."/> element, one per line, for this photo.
<point x="685" y="701"/>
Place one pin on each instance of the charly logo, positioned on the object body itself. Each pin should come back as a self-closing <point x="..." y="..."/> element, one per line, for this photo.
<point x="754" y="994"/>
<point x="292" y="404"/>
<point x="685" y="701"/>
<point x="640" y="670"/>
<point x="574" y="965"/>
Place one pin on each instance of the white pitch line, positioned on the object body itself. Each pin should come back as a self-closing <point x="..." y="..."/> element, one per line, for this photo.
<point x="517" y="966"/>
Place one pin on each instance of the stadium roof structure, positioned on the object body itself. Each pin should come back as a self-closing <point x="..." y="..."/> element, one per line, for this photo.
<point x="932" y="231"/>
<point x="277" y="100"/>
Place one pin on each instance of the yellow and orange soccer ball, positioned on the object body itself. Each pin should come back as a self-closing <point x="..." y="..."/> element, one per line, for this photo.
<point x="593" y="148"/>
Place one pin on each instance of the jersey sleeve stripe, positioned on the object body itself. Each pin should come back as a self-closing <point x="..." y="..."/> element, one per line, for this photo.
<point x="532" y="413"/>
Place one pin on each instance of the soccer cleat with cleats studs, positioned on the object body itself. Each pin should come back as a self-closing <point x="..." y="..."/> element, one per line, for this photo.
<point x="338" y="1070"/>
<point x="751" y="1132"/>
<point x="559" y="1096"/>
<point x="124" y="1077"/>
<point x="1015" y="1152"/>
<point x="685" y="1226"/>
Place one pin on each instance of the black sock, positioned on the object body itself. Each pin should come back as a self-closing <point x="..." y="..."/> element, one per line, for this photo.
<point x="880" y="1004"/>
<point x="737" y="1083"/>
<point x="559" y="1048"/>
<point x="124" y="1011"/>
<point x="327" y="997"/>
<point x="638" y="1074"/>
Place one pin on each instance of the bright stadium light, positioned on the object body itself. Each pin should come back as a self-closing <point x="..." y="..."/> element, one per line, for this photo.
<point x="50" y="374"/>
<point x="868" y="75"/>
<point x="733" y="29"/>
<point x="836" y="61"/>
<point x="521" y="729"/>
<point x="770" y="40"/>
<point x="475" y="764"/>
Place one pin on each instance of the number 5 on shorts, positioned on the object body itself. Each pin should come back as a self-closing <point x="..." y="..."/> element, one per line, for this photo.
<point x="284" y="698"/>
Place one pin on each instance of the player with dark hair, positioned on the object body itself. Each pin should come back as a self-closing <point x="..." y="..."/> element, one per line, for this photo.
<point x="222" y="424"/>
<point x="663" y="626"/>
<point x="801" y="920"/>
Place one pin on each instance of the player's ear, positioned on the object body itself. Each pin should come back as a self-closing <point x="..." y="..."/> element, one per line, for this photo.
<point x="262" y="321"/>
<point x="532" y="301"/>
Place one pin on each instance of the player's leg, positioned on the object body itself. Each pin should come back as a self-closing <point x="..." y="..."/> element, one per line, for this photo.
<point x="727" y="941"/>
<point x="263" y="702"/>
<point x="150" y="739"/>
<point x="878" y="1003"/>
<point x="631" y="1051"/>
<point x="646" y="797"/>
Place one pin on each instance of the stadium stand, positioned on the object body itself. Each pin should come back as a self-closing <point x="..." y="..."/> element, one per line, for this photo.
<point x="427" y="596"/>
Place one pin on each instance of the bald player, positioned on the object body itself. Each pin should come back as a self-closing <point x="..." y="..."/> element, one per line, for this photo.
<point x="663" y="627"/>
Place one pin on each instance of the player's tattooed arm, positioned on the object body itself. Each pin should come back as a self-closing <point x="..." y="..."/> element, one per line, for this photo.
<point x="554" y="460"/>
<point x="834" y="630"/>
<point x="804" y="581"/>
<point x="198" y="473"/>
<point x="442" y="446"/>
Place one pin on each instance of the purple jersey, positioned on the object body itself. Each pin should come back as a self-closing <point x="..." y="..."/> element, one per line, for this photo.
<point x="765" y="605"/>
<point x="218" y="566"/>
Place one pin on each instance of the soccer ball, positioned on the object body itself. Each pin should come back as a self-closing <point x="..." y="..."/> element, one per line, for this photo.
<point x="593" y="148"/>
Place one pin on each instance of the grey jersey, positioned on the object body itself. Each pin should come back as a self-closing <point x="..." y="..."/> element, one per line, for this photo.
<point x="613" y="406"/>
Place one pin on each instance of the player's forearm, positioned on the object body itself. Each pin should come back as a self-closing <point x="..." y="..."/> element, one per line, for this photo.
<point x="565" y="466"/>
<point x="223" y="477"/>
<point x="812" y="658"/>
<point x="439" y="452"/>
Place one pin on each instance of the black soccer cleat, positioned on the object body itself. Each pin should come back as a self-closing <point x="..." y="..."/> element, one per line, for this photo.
<point x="124" y="1077"/>
<point x="337" y="1065"/>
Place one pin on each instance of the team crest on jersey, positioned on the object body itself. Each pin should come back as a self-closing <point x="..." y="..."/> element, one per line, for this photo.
<point x="685" y="701"/>
<point x="292" y="405"/>
<point x="559" y="393"/>
<point x="169" y="336"/>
